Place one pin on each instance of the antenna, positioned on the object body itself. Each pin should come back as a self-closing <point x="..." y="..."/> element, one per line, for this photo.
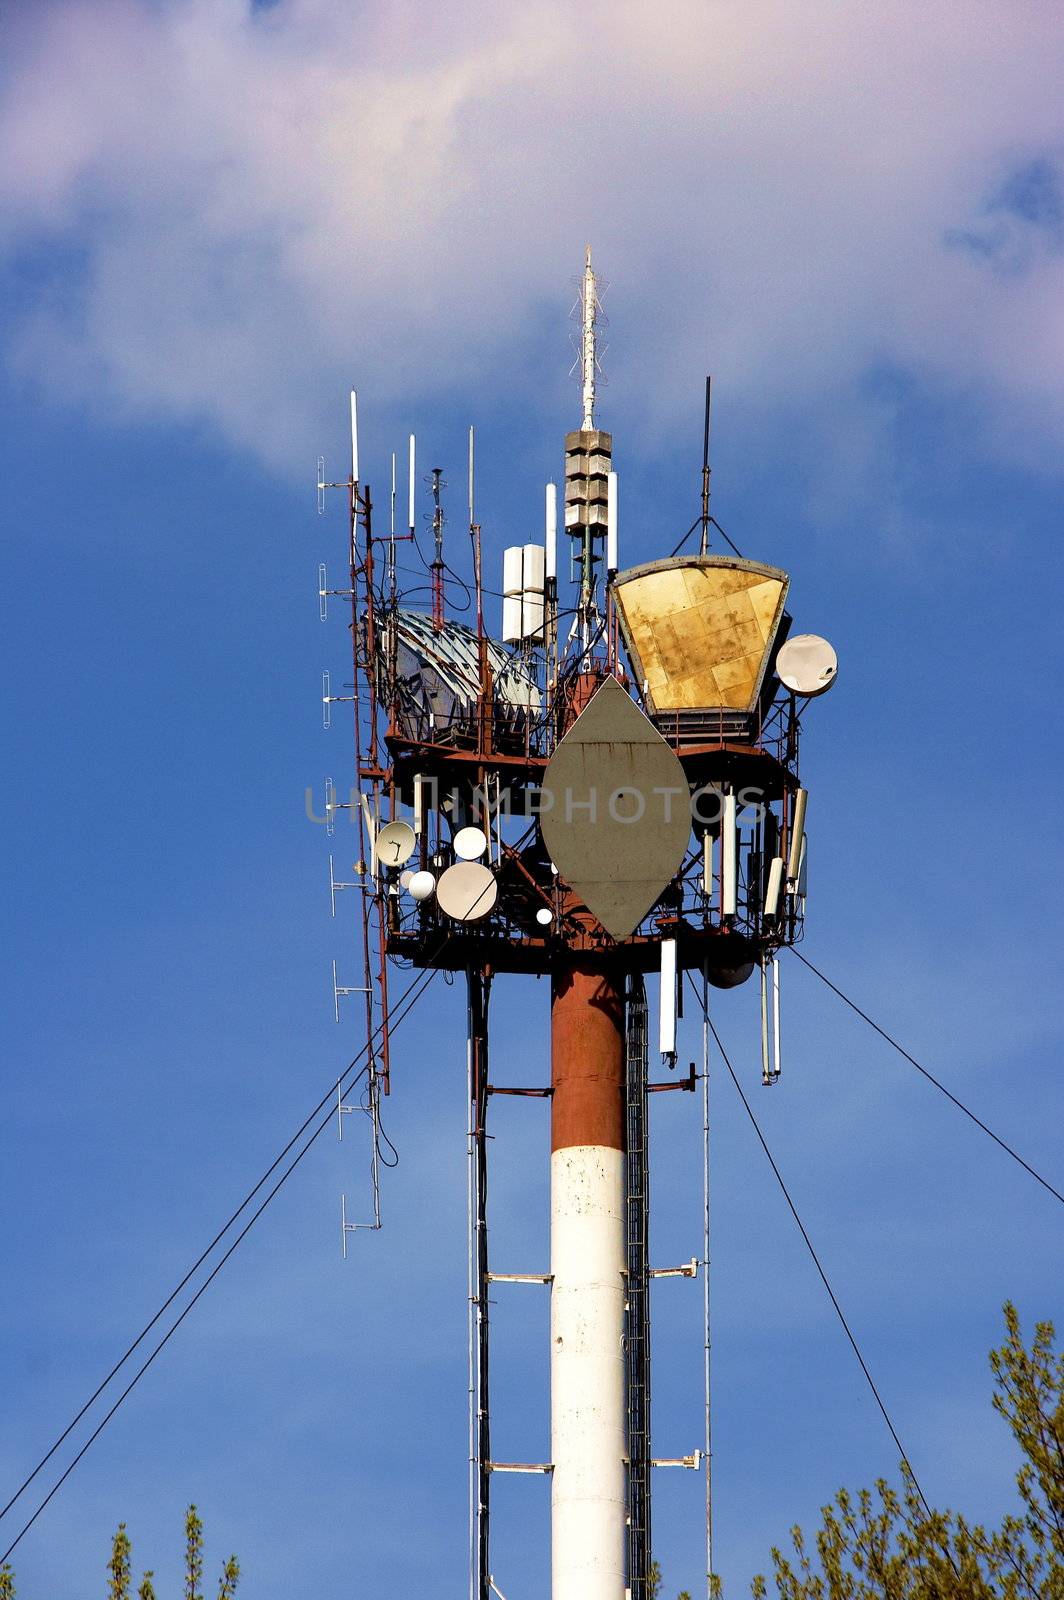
<point x="590" y="306"/>
<point x="588" y="462"/>
<point x="437" y="564"/>
<point x="410" y="487"/>
<point x="354" y="437"/>
<point x="704" y="549"/>
<point x="391" y="535"/>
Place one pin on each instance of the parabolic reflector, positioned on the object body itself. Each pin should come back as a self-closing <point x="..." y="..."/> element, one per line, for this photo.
<point x="615" y="810"/>
<point x="700" y="629"/>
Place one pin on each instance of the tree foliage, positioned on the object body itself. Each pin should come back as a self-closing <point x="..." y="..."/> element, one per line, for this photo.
<point x="888" y="1546"/>
<point x="120" y="1568"/>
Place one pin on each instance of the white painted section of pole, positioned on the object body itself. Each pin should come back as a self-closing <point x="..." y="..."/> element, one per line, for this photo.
<point x="611" y="522"/>
<point x="410" y="486"/>
<point x="667" y="999"/>
<point x="775" y="884"/>
<point x="354" y="437"/>
<point x="551" y="530"/>
<point x="794" y="857"/>
<point x="587" y="1374"/>
<point x="729" y="859"/>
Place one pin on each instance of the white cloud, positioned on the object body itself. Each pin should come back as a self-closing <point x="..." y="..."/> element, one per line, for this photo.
<point x="266" y="204"/>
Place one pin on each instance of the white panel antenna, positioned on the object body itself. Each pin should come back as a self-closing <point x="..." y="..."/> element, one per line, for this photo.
<point x="775" y="884"/>
<point x="551" y="532"/>
<point x="410" y="484"/>
<point x="354" y="437"/>
<point x="667" y="999"/>
<point x="729" y="858"/>
<point x="794" y="857"/>
<point x="611" y="523"/>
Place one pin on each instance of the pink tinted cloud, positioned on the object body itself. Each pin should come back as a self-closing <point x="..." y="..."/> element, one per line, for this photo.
<point x="270" y="203"/>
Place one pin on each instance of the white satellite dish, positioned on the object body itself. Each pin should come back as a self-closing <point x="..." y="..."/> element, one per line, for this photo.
<point x="470" y="844"/>
<point x="405" y="879"/>
<point x="544" y="916"/>
<point x="395" y="844"/>
<point x="421" y="885"/>
<point x="807" y="665"/>
<point x="467" y="891"/>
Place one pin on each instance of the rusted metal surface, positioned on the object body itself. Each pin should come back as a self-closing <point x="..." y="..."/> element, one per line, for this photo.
<point x="700" y="629"/>
<point x="587" y="1056"/>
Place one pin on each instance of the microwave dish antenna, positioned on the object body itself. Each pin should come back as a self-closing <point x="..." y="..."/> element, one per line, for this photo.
<point x="395" y="844"/>
<point x="807" y="665"/>
<point x="470" y="844"/>
<point x="467" y="891"/>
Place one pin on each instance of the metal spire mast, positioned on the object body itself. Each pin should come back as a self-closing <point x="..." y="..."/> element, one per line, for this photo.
<point x="589" y="302"/>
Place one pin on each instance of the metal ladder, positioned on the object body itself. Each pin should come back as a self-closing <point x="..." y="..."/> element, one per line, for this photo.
<point x="637" y="1304"/>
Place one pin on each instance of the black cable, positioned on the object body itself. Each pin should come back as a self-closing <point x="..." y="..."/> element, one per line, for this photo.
<point x="816" y="1260"/>
<point x="194" y="1268"/>
<point x="293" y="1164"/>
<point x="941" y="1087"/>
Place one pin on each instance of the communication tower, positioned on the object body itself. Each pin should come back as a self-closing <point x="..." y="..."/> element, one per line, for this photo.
<point x="607" y="789"/>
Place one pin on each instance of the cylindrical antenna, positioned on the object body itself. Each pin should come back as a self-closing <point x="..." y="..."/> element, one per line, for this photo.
<point x="410" y="487"/>
<point x="391" y="504"/>
<point x="777" y="1062"/>
<point x="705" y="473"/>
<point x="667" y="999"/>
<point x="766" y="1066"/>
<point x="354" y="437"/>
<point x="611" y="523"/>
<point x="729" y="859"/>
<point x="474" y="534"/>
<point x="472" y="518"/>
<point x="551" y="531"/>
<point x="775" y="884"/>
<point x="794" y="856"/>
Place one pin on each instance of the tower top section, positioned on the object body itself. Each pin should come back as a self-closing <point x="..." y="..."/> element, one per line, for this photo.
<point x="590" y="307"/>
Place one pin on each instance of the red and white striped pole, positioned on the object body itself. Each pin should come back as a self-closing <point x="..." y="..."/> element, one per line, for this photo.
<point x="588" y="1289"/>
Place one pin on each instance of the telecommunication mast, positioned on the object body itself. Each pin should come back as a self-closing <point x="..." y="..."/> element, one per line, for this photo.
<point x="607" y="789"/>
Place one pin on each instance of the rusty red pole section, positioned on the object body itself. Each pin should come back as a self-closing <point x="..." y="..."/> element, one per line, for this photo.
<point x="588" y="1286"/>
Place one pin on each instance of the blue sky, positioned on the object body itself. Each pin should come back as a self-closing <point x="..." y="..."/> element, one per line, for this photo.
<point x="214" y="222"/>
